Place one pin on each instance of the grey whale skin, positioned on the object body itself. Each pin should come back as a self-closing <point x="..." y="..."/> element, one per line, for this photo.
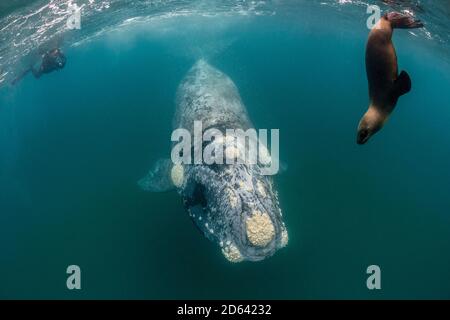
<point x="234" y="205"/>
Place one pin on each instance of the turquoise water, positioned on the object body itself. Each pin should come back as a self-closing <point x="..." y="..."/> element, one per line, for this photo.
<point x="74" y="143"/>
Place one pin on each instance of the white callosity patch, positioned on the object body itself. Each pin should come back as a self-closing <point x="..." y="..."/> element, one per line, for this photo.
<point x="261" y="189"/>
<point x="232" y="198"/>
<point x="177" y="175"/>
<point x="232" y="253"/>
<point x="246" y="185"/>
<point x="260" y="229"/>
<point x="264" y="155"/>
<point x="284" y="238"/>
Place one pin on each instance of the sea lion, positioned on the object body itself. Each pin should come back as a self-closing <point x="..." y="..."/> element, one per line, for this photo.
<point x="385" y="84"/>
<point x="234" y="205"/>
<point x="52" y="60"/>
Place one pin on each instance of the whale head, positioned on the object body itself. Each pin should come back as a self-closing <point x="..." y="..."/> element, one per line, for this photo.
<point x="236" y="207"/>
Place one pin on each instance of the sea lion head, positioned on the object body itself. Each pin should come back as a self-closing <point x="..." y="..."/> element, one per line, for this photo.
<point x="57" y="59"/>
<point x="60" y="60"/>
<point x="370" y="124"/>
<point x="236" y="207"/>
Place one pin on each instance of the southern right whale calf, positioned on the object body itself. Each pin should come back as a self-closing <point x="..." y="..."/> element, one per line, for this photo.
<point x="234" y="205"/>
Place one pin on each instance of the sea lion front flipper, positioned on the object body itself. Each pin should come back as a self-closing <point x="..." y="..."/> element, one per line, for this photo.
<point x="402" y="85"/>
<point x="158" y="179"/>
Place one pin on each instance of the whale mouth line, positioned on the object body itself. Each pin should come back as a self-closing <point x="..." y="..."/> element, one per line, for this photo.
<point x="235" y="215"/>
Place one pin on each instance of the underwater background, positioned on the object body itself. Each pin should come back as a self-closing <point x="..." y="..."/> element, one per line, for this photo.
<point x="74" y="143"/>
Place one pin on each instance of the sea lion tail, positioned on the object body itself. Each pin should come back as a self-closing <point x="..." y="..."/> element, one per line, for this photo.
<point x="403" y="21"/>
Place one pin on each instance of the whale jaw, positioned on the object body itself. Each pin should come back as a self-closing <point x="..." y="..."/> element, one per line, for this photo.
<point x="236" y="209"/>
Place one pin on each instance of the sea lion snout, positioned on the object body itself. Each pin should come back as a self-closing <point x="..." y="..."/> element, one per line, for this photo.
<point x="371" y="123"/>
<point x="363" y="136"/>
<point x="366" y="130"/>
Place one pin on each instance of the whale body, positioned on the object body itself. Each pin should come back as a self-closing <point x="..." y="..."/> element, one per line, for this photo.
<point x="234" y="205"/>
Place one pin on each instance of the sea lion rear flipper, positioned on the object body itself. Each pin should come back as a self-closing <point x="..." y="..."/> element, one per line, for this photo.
<point x="20" y="76"/>
<point x="402" y="85"/>
<point x="403" y="21"/>
<point x="158" y="179"/>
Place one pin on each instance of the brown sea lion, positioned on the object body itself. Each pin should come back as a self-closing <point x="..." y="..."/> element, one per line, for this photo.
<point x="385" y="84"/>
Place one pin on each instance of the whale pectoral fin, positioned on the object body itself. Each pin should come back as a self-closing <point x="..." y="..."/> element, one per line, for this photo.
<point x="158" y="179"/>
<point x="402" y="85"/>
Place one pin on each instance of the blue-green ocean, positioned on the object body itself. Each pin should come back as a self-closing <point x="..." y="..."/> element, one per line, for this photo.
<point x="74" y="143"/>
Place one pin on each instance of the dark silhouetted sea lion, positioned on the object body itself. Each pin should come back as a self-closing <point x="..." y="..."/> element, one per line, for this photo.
<point x="51" y="60"/>
<point x="385" y="84"/>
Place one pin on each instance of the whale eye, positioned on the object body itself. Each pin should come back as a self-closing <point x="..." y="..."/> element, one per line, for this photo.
<point x="196" y="196"/>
